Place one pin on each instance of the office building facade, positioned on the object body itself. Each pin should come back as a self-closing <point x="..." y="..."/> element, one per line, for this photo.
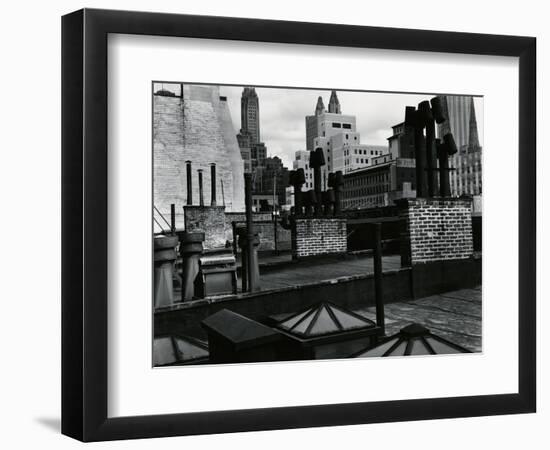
<point x="466" y="178"/>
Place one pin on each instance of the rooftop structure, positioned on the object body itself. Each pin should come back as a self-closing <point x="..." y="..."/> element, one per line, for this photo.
<point x="194" y="126"/>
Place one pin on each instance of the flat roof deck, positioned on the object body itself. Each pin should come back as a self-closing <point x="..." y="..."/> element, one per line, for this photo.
<point x="455" y="316"/>
<point x="317" y="270"/>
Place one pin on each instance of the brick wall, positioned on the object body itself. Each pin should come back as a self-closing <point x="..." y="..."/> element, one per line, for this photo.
<point x="198" y="128"/>
<point x="209" y="220"/>
<point x="263" y="225"/>
<point x="318" y="236"/>
<point x="436" y="229"/>
<point x="217" y="226"/>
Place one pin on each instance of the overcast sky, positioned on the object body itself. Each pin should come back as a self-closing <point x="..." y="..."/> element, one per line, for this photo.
<point x="283" y="111"/>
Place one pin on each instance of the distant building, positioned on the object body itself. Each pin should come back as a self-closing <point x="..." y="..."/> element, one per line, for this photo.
<point x="312" y="124"/>
<point x="250" y="114"/>
<point x="289" y="200"/>
<point x="462" y="123"/>
<point x="334" y="104"/>
<point x="264" y="202"/>
<point x="378" y="185"/>
<point x="388" y="177"/>
<point x="271" y="178"/>
<point x="253" y="151"/>
<point x="337" y="135"/>
<point x="245" y="146"/>
<point x="253" y="154"/>
<point x="401" y="142"/>
<point x="301" y="161"/>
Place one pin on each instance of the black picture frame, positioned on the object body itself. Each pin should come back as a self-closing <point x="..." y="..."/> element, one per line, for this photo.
<point x="84" y="224"/>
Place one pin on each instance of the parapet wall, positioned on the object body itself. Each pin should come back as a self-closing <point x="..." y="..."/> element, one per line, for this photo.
<point x="318" y="236"/>
<point x="436" y="229"/>
<point x="217" y="226"/>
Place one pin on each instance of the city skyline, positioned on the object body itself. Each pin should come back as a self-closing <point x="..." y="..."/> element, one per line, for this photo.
<point x="283" y="112"/>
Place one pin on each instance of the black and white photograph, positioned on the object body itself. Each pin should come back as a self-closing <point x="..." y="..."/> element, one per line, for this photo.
<point x="275" y="225"/>
<point x="294" y="224"/>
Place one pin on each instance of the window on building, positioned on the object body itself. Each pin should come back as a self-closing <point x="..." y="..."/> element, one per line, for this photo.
<point x="346" y="125"/>
<point x="336" y="125"/>
<point x="347" y="136"/>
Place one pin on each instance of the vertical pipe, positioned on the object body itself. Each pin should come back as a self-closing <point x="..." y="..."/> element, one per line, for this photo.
<point x="189" y="183"/>
<point x="190" y="252"/>
<point x="173" y="219"/>
<point x="297" y="180"/>
<point x="223" y="194"/>
<point x="234" y="231"/>
<point x="444" y="184"/>
<point x="241" y="233"/>
<point x="213" y="184"/>
<point x="252" y="263"/>
<point x="420" y="160"/>
<point x="431" y="158"/>
<point x="275" y="239"/>
<point x="318" y="189"/>
<point x="244" y="268"/>
<point x="297" y="200"/>
<point x="338" y="186"/>
<point x="378" y="291"/>
<point x="201" y="198"/>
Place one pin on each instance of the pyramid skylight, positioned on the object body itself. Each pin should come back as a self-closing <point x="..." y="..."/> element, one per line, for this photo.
<point x="325" y="318"/>
<point x="412" y="340"/>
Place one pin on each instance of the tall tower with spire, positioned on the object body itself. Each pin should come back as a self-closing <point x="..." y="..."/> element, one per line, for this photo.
<point x="334" y="104"/>
<point x="462" y="123"/>
<point x="250" y="114"/>
<point x="320" y="108"/>
<point x="253" y="151"/>
<point x="316" y="122"/>
<point x="473" y="140"/>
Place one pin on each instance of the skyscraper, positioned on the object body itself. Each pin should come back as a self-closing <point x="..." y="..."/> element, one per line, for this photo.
<point x="320" y="108"/>
<point x="462" y="123"/>
<point x="314" y="123"/>
<point x="336" y="134"/>
<point x="334" y="104"/>
<point x="461" y="120"/>
<point x="253" y="151"/>
<point x="250" y="114"/>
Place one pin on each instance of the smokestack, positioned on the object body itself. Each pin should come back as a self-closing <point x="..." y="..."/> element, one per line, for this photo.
<point x="189" y="183"/>
<point x="316" y="161"/>
<point x="201" y="198"/>
<point x="213" y="184"/>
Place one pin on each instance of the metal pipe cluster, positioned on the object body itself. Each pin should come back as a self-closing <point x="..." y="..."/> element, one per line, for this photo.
<point x="429" y="150"/>
<point x="316" y="202"/>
